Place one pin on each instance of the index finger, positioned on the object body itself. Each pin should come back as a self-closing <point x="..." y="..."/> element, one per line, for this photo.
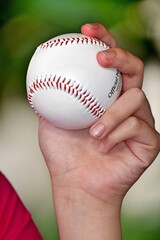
<point x="99" y="31"/>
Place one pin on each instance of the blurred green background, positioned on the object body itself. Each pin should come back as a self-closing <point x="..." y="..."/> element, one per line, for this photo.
<point x="23" y="26"/>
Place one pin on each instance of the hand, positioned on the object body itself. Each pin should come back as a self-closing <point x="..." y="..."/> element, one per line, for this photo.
<point x="92" y="169"/>
<point x="109" y="158"/>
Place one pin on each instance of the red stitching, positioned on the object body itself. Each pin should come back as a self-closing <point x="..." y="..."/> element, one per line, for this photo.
<point x="66" y="41"/>
<point x="82" y="95"/>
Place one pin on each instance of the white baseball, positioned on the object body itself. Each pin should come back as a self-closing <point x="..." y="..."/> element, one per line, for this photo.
<point x="66" y="85"/>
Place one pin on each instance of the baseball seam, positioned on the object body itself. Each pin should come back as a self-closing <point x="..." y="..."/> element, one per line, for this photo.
<point x="70" y="40"/>
<point x="72" y="88"/>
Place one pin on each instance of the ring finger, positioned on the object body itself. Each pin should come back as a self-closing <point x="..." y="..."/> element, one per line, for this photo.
<point x="134" y="103"/>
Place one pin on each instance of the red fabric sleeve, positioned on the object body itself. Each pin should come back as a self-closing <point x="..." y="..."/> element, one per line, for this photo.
<point x="15" y="221"/>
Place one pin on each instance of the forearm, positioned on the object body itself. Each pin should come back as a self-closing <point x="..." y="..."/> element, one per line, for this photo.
<point x="81" y="216"/>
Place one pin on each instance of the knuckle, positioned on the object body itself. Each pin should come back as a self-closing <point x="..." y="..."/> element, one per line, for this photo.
<point x="134" y="123"/>
<point x="125" y="56"/>
<point x="113" y="117"/>
<point x="122" y="53"/>
<point x="140" y="65"/>
<point x="114" y="42"/>
<point x="121" y="56"/>
<point x="138" y="94"/>
<point x="156" y="143"/>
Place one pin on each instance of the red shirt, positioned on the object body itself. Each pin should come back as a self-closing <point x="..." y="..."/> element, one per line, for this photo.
<point x="15" y="221"/>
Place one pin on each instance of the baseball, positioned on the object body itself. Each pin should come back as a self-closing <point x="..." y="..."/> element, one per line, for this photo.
<point x="65" y="84"/>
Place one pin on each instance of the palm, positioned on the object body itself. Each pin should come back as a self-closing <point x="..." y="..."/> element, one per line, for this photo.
<point x="74" y="160"/>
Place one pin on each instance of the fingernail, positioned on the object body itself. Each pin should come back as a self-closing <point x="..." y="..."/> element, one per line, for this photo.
<point x="109" y="54"/>
<point x="92" y="25"/>
<point x="98" y="130"/>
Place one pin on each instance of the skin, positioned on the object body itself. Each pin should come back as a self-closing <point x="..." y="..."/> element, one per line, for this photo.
<point x="92" y="169"/>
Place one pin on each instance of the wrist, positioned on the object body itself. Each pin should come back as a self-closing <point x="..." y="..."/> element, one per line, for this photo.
<point x="82" y="216"/>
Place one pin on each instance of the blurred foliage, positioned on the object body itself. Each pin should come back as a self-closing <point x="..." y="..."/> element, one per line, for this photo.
<point x="144" y="228"/>
<point x="47" y="226"/>
<point x="24" y="24"/>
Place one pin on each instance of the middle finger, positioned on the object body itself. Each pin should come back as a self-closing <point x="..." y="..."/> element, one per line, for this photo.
<point x="131" y="67"/>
